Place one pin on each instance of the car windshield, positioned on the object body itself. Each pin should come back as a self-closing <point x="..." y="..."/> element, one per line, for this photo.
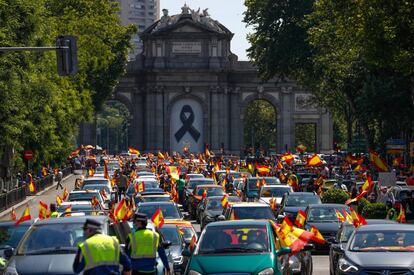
<point x="253" y="184"/>
<point x="170" y="233"/>
<point x="214" y="205"/>
<point x="78" y="208"/>
<point x="87" y="196"/>
<point x="152" y="199"/>
<point x="188" y="232"/>
<point x="274" y="192"/>
<point x="169" y="211"/>
<point x="346" y="232"/>
<point x="211" y="192"/>
<point x="193" y="183"/>
<point x="95" y="182"/>
<point x="272" y="181"/>
<point x="240" y="239"/>
<point x="302" y="200"/>
<point x="323" y="214"/>
<point x="60" y="238"/>
<point x="11" y="235"/>
<point x="374" y="241"/>
<point x="148" y="185"/>
<point x="251" y="212"/>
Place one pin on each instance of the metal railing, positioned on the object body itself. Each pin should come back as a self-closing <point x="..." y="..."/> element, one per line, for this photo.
<point x="16" y="195"/>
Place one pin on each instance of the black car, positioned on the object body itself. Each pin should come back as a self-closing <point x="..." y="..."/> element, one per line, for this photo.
<point x="211" y="208"/>
<point x="191" y="185"/>
<point x="171" y="233"/>
<point x="339" y="243"/>
<point x="379" y="249"/>
<point x="293" y="202"/>
<point x="49" y="246"/>
<point x="323" y="217"/>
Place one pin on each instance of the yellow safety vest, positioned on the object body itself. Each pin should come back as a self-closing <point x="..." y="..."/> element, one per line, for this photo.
<point x="100" y="250"/>
<point x="144" y="244"/>
<point x="54" y="214"/>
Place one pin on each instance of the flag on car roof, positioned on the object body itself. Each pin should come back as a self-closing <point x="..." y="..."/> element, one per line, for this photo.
<point x="158" y="218"/>
<point x="300" y="219"/>
<point x="340" y="217"/>
<point x="314" y="160"/>
<point x="262" y="169"/>
<point x="121" y="211"/>
<point x="317" y="236"/>
<point x="225" y="201"/>
<point x="42" y="210"/>
<point x="25" y="216"/>
<point x="65" y="194"/>
<point x="58" y="200"/>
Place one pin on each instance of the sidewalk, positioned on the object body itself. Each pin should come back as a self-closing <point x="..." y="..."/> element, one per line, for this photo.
<point x="45" y="195"/>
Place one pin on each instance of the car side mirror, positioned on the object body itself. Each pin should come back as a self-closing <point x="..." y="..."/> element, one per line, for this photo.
<point x="166" y="244"/>
<point x="221" y="218"/>
<point x="8" y="253"/>
<point x="308" y="247"/>
<point x="337" y="248"/>
<point x="332" y="240"/>
<point x="186" y="253"/>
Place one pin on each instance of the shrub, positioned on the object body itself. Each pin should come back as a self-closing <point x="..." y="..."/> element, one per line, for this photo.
<point x="361" y="204"/>
<point x="374" y="211"/>
<point x="335" y="195"/>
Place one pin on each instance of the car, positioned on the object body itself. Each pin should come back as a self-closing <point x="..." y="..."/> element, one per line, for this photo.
<point x="323" y="217"/>
<point x="341" y="239"/>
<point x="87" y="195"/>
<point x="267" y="192"/>
<point x="144" y="173"/>
<point x="171" y="233"/>
<point x="170" y="210"/>
<point x="189" y="177"/>
<point x="79" y="206"/>
<point x="148" y="185"/>
<point x="252" y="186"/>
<point x="238" y="247"/>
<point x="94" y="183"/>
<point x="11" y="234"/>
<point x="293" y="202"/>
<point x="187" y="229"/>
<point x="197" y="196"/>
<point x="152" y="197"/>
<point x="211" y="208"/>
<point x="247" y="210"/>
<point x="402" y="195"/>
<point x="379" y="249"/>
<point x="49" y="246"/>
<point x="192" y="184"/>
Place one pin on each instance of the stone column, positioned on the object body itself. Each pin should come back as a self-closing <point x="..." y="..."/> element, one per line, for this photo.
<point x="288" y="125"/>
<point x="326" y="133"/>
<point x="159" y="118"/>
<point x="236" y="135"/>
<point x="215" y="106"/>
<point x="136" y="130"/>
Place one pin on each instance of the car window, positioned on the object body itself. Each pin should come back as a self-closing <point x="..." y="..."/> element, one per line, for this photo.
<point x="192" y="184"/>
<point x="237" y="239"/>
<point x="11" y="235"/>
<point x="302" y="200"/>
<point x="169" y="211"/>
<point x="274" y="192"/>
<point x="346" y="233"/>
<point x="374" y="241"/>
<point x="325" y="214"/>
<point x="250" y="212"/>
<point x="214" y="205"/>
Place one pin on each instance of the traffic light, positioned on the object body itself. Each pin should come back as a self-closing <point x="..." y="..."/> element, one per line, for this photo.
<point x="66" y="55"/>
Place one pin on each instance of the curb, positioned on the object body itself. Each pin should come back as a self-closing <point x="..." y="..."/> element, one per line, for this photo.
<point x="29" y="198"/>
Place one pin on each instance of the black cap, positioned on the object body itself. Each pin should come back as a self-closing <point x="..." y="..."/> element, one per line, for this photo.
<point x="92" y="224"/>
<point x="140" y="217"/>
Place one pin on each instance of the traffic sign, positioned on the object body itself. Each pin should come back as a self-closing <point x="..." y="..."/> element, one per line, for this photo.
<point x="28" y="154"/>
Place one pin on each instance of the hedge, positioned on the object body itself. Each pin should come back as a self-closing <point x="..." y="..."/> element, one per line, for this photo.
<point x="335" y="195"/>
<point x="374" y="211"/>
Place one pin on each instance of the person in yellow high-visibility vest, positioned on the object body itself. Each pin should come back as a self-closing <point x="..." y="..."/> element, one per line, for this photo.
<point x="99" y="253"/>
<point x="53" y="212"/>
<point x="142" y="247"/>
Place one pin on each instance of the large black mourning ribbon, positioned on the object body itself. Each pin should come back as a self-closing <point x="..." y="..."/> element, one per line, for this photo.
<point x="187" y="124"/>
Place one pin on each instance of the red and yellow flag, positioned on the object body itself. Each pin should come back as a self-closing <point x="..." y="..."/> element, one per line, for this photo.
<point x="173" y="171"/>
<point x="65" y="194"/>
<point x="353" y="160"/>
<point x="300" y="219"/>
<point x="262" y="169"/>
<point x="273" y="204"/>
<point x="225" y="201"/>
<point x="401" y="216"/>
<point x="367" y="186"/>
<point x="139" y="187"/>
<point x="287" y="158"/>
<point x="193" y="243"/>
<point x="160" y="155"/>
<point x="13" y="214"/>
<point x="377" y="161"/>
<point x="301" y="148"/>
<point x="158" y="218"/>
<point x="25" y="216"/>
<point x="32" y="186"/>
<point x="279" y="165"/>
<point x="59" y="200"/>
<point x="204" y="194"/>
<point x="233" y="216"/>
<point x="339" y="216"/>
<point x="103" y="194"/>
<point x="317" y="236"/>
<point x="121" y="211"/>
<point x="133" y="151"/>
<point x="314" y="160"/>
<point x="91" y="172"/>
<point x="291" y="236"/>
<point x="106" y="172"/>
<point x="95" y="202"/>
<point x="42" y="210"/>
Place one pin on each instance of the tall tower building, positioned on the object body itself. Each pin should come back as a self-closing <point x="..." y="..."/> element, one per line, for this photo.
<point x="142" y="13"/>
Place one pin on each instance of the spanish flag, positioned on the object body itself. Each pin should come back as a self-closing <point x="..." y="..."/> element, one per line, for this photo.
<point x="225" y="201"/>
<point x="279" y="165"/>
<point x="314" y="160"/>
<point x="58" y="200"/>
<point x="133" y="151"/>
<point x="340" y="217"/>
<point x="65" y="194"/>
<point x="291" y="236"/>
<point x="103" y="194"/>
<point x="353" y="160"/>
<point x="288" y="158"/>
<point x="160" y="155"/>
<point x="32" y="186"/>
<point x="121" y="211"/>
<point x="25" y="216"/>
<point x="300" y="219"/>
<point x="13" y="214"/>
<point x="262" y="169"/>
<point x="193" y="243"/>
<point x="204" y="194"/>
<point x="44" y="171"/>
<point x="401" y="216"/>
<point x="273" y="204"/>
<point x="301" y="148"/>
<point x="106" y="172"/>
<point x="42" y="210"/>
<point x="377" y="161"/>
<point x="158" y="218"/>
<point x="367" y="186"/>
<point x="139" y="187"/>
<point x="91" y="172"/>
<point x="317" y="236"/>
<point x="173" y="171"/>
<point x="94" y="202"/>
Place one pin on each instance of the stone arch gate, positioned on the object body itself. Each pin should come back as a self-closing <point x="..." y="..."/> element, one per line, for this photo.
<point x="187" y="61"/>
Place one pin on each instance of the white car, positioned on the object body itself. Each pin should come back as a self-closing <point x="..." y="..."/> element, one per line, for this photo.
<point x="273" y="191"/>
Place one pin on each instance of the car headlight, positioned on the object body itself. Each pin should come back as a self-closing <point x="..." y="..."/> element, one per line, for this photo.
<point x="294" y="264"/>
<point x="346" y="266"/>
<point x="177" y="259"/>
<point x="10" y="271"/>
<point x="267" y="271"/>
<point x="193" y="272"/>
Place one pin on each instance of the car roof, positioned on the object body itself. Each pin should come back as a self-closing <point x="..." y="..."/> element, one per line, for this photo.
<point x="301" y="194"/>
<point x="208" y="185"/>
<point x="156" y="203"/>
<point x="250" y="204"/>
<point x="76" y="203"/>
<point x="276" y="186"/>
<point x="77" y="219"/>
<point x="386" y="227"/>
<point x="201" y="179"/>
<point x="83" y="191"/>
<point x="327" y="205"/>
<point x="8" y="223"/>
<point x="178" y="222"/>
<point x="95" y="178"/>
<point x="238" y="222"/>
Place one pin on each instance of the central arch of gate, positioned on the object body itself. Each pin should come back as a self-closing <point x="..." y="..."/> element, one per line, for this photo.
<point x="186" y="89"/>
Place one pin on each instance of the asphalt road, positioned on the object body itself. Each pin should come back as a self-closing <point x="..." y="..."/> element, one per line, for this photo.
<point x="320" y="262"/>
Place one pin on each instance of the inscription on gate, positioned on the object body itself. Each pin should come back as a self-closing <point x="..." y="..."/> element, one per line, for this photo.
<point x="186" y="47"/>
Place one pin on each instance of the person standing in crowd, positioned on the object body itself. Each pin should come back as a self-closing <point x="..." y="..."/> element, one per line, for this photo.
<point x="99" y="253"/>
<point x="122" y="184"/>
<point x="180" y="189"/>
<point x="142" y="247"/>
<point x="58" y="178"/>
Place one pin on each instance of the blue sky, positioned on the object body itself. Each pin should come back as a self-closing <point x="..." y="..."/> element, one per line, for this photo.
<point x="227" y="12"/>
